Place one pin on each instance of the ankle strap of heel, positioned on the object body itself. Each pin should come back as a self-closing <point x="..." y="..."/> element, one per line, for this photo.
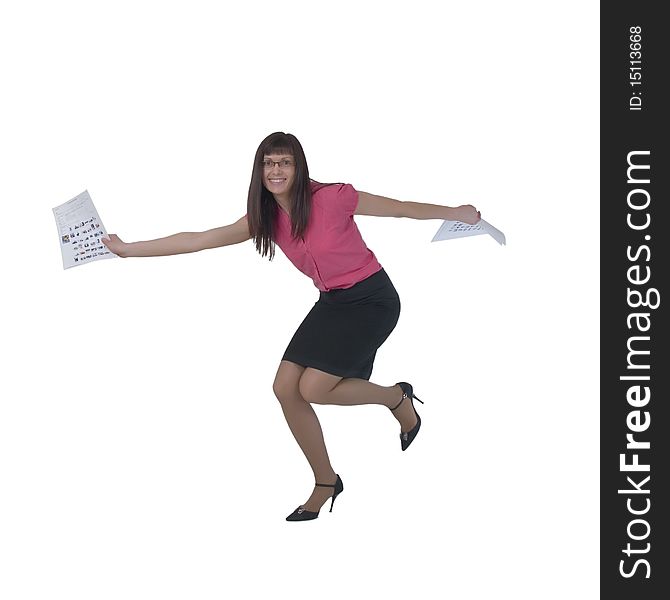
<point x="404" y="396"/>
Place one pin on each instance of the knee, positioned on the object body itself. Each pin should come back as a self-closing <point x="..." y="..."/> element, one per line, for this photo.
<point x="280" y="390"/>
<point x="285" y="392"/>
<point x="309" y="391"/>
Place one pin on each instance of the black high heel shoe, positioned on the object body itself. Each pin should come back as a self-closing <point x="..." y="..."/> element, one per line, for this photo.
<point x="408" y="392"/>
<point x="300" y="514"/>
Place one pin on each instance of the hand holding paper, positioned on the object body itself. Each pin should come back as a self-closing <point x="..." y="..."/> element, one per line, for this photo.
<point x="114" y="244"/>
<point x="80" y="230"/>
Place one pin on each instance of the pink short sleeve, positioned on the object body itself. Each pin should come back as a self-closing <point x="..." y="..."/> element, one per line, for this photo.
<point x="347" y="198"/>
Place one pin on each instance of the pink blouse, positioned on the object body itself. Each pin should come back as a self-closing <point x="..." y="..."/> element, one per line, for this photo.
<point x="333" y="254"/>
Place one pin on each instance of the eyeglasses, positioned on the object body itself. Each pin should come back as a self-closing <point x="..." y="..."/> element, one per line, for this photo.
<point x="284" y="163"/>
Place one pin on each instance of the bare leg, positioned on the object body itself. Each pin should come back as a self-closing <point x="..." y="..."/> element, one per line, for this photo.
<point x="305" y="426"/>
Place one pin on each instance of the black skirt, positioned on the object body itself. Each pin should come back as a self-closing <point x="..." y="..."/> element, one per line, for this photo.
<point x="344" y="329"/>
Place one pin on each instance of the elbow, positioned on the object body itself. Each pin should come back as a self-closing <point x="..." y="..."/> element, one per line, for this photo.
<point x="402" y="209"/>
<point x="195" y="242"/>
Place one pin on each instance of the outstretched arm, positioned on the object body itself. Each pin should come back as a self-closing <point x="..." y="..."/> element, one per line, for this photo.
<point x="380" y="206"/>
<point x="182" y="243"/>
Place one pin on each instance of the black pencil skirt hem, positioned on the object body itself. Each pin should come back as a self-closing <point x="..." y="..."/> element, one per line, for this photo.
<point x="344" y="329"/>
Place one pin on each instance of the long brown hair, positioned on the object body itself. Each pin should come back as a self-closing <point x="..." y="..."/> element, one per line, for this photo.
<point x="261" y="205"/>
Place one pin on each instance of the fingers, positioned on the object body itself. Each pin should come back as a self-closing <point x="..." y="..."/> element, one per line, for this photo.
<point x="111" y="242"/>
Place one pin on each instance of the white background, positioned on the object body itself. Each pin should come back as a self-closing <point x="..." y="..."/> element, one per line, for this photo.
<point x="142" y="452"/>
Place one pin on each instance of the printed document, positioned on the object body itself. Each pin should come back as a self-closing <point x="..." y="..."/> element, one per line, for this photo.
<point x="79" y="230"/>
<point x="455" y="229"/>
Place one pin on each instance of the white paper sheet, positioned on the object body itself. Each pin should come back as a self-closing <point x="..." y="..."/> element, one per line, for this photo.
<point x="456" y="229"/>
<point x="79" y="230"/>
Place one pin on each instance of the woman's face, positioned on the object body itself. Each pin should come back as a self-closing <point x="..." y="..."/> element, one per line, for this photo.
<point x="278" y="173"/>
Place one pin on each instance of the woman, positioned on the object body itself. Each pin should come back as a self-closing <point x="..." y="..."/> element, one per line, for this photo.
<point x="330" y="357"/>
